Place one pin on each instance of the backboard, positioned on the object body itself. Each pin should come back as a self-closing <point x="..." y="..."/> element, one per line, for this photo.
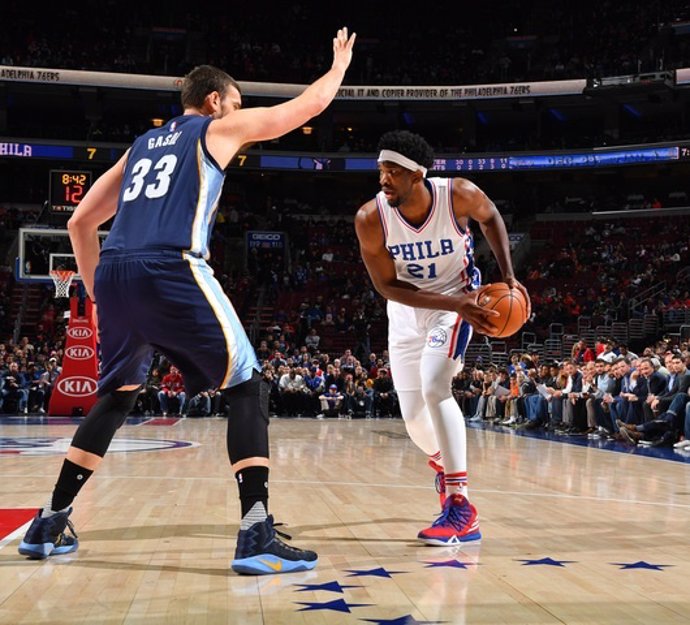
<point x="41" y="249"/>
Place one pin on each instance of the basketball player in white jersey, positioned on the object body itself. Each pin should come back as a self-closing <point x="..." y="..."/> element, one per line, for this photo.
<point x="417" y="247"/>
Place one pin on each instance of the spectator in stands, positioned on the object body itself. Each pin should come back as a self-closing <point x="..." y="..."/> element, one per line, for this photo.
<point x="292" y="390"/>
<point x="37" y="391"/>
<point x="556" y="400"/>
<point x="172" y="388"/>
<point x="385" y="399"/>
<point x="482" y="382"/>
<point x="263" y="352"/>
<point x="312" y="340"/>
<point x="200" y="405"/>
<point x="16" y="388"/>
<point x="677" y="385"/>
<point x="342" y="322"/>
<point x="278" y="360"/>
<point x="360" y="402"/>
<point x="534" y="408"/>
<point x="609" y="354"/>
<point x="625" y="352"/>
<point x="574" y="412"/>
<point x="315" y="386"/>
<point x="460" y="386"/>
<point x="331" y="402"/>
<point x="581" y="354"/>
<point x="617" y="397"/>
<point x="601" y="383"/>
<point x="515" y="364"/>
<point x="653" y="384"/>
<point x="511" y="410"/>
<point x="49" y="376"/>
<point x="147" y="401"/>
<point x="272" y="378"/>
<point x="496" y="395"/>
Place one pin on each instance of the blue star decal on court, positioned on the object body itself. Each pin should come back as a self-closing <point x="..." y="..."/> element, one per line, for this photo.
<point x="339" y="605"/>
<point x="380" y="572"/>
<point x="329" y="586"/>
<point x="641" y="564"/>
<point x="546" y="561"/>
<point x="453" y="564"/>
<point x="408" y="619"/>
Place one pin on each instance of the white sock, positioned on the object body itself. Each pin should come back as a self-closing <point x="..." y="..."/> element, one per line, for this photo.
<point x="256" y="514"/>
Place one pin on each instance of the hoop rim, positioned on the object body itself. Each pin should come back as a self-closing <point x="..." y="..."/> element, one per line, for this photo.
<point x="62" y="274"/>
<point x="62" y="279"/>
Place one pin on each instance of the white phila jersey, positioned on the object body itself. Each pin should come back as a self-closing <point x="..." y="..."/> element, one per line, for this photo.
<point x="436" y="256"/>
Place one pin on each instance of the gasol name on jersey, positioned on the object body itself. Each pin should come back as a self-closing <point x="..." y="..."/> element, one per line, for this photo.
<point x="162" y="141"/>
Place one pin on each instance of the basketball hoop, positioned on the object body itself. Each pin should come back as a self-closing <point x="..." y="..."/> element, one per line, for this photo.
<point x="62" y="278"/>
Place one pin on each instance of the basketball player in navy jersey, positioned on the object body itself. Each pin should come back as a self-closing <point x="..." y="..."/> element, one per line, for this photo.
<point x="154" y="289"/>
<point x="417" y="247"/>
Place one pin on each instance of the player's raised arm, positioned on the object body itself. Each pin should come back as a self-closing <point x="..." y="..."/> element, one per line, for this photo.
<point x="263" y="123"/>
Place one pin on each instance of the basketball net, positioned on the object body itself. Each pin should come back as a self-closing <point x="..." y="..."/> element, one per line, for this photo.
<point x="62" y="278"/>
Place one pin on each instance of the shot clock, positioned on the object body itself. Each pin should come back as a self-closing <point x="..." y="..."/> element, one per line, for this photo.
<point x="67" y="188"/>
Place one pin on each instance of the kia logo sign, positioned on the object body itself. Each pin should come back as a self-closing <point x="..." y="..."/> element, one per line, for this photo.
<point x="80" y="352"/>
<point x="77" y="386"/>
<point x="80" y="333"/>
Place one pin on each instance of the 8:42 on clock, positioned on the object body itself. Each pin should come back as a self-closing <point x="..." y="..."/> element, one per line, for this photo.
<point x="67" y="188"/>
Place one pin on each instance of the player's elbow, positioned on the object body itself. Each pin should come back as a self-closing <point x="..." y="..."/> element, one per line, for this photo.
<point x="74" y="223"/>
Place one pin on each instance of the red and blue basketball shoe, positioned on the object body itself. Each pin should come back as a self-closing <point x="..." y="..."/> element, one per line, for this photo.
<point x="458" y="523"/>
<point x="439" y="481"/>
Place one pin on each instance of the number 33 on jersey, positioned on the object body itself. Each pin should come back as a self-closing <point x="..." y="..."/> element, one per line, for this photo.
<point x="165" y="174"/>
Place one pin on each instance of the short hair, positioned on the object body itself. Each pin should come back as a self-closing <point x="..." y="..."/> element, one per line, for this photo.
<point x="201" y="81"/>
<point x="408" y="144"/>
<point x="621" y="359"/>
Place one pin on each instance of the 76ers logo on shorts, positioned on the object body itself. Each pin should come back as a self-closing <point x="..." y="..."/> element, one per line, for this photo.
<point x="437" y="338"/>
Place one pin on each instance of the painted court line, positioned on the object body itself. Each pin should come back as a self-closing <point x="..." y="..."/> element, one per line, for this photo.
<point x="20" y="531"/>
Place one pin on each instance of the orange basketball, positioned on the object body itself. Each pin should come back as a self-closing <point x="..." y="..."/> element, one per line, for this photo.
<point x="510" y="303"/>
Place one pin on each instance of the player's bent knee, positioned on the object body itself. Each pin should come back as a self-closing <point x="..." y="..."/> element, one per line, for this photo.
<point x="247" y="409"/>
<point x="435" y="392"/>
<point x="107" y="415"/>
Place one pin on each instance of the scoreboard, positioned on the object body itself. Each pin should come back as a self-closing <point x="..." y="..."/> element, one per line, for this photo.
<point x="67" y="189"/>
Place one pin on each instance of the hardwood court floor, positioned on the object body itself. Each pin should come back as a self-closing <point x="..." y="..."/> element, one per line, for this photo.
<point x="572" y="534"/>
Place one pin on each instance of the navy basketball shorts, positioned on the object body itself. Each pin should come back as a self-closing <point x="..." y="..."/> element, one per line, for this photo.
<point x="170" y="302"/>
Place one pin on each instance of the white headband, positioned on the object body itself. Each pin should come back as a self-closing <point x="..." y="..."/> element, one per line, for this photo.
<point x="396" y="157"/>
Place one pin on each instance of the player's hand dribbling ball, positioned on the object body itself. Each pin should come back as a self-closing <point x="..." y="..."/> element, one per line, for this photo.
<point x="509" y="303"/>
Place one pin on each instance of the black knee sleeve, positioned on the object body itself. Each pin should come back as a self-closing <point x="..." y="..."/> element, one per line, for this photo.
<point x="107" y="415"/>
<point x="247" y="409"/>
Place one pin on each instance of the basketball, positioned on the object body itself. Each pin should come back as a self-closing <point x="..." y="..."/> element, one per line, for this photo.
<point x="510" y="303"/>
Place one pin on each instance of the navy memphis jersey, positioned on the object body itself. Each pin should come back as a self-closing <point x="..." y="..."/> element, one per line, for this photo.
<point x="170" y="191"/>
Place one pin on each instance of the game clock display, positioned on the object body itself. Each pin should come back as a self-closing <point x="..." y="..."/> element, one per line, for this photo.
<point x="67" y="189"/>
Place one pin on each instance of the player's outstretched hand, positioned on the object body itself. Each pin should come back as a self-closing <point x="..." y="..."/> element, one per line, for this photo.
<point x="478" y="317"/>
<point x="514" y="284"/>
<point x="342" y="49"/>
